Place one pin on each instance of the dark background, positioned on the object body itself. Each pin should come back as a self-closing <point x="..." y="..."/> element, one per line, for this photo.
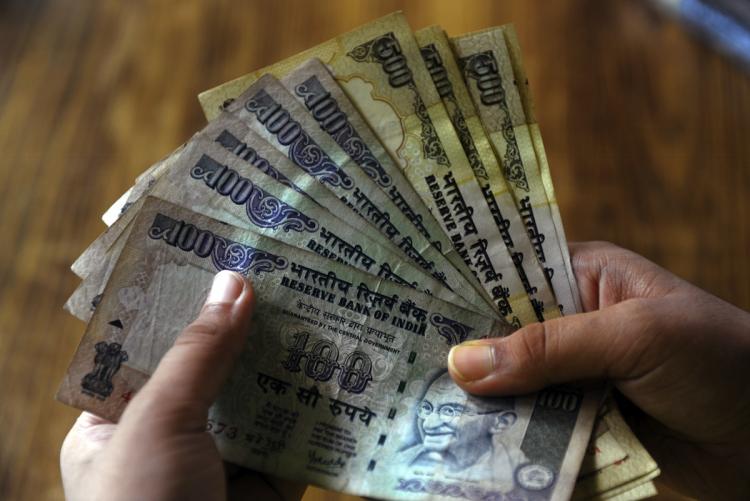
<point x="646" y="129"/>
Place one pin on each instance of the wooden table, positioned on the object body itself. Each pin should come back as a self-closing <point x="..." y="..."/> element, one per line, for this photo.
<point x="646" y="128"/>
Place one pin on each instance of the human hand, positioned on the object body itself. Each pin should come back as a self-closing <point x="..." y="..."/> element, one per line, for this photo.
<point x="160" y="448"/>
<point x="679" y="354"/>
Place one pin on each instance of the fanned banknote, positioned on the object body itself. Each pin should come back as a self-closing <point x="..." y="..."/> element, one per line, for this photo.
<point x="381" y="69"/>
<point x="489" y="76"/>
<point x="441" y="64"/>
<point x="269" y="109"/>
<point x="209" y="179"/>
<point x="389" y="196"/>
<point x="493" y="71"/>
<point x="342" y="380"/>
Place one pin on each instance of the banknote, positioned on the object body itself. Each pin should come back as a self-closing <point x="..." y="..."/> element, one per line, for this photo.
<point x="94" y="253"/>
<point x="636" y="468"/>
<point x="438" y="56"/>
<point x="489" y="76"/>
<point x="521" y="83"/>
<point x="314" y="87"/>
<point x="379" y="66"/>
<point x="633" y="491"/>
<point x="259" y="155"/>
<point x="270" y="110"/>
<point x="342" y="378"/>
<point x="212" y="181"/>
<point x="318" y="91"/>
<point x="494" y="73"/>
<point x="603" y="449"/>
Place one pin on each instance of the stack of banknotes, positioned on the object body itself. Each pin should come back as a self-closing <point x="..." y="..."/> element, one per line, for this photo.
<point x="388" y="194"/>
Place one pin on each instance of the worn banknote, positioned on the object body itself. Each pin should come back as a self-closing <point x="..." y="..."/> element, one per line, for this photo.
<point x="489" y="75"/>
<point x="251" y="150"/>
<point x="615" y="461"/>
<point x="380" y="68"/>
<point x="212" y="181"/>
<point x="618" y="465"/>
<point x="521" y="83"/>
<point x="485" y="247"/>
<point x="315" y="88"/>
<point x="438" y="56"/>
<point x="269" y="109"/>
<point x="342" y="378"/>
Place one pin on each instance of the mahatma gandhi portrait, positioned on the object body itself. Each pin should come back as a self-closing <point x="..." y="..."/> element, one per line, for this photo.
<point x="459" y="435"/>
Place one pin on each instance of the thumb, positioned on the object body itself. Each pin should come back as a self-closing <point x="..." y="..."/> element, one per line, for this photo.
<point x="190" y="375"/>
<point x="608" y="343"/>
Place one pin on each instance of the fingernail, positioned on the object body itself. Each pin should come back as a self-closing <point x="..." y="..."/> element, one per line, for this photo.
<point x="227" y="287"/>
<point x="472" y="361"/>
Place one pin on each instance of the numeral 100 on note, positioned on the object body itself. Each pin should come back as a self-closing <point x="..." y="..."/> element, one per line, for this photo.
<point x="322" y="362"/>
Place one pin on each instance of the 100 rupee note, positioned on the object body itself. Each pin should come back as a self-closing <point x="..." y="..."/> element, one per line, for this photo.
<point x="339" y="378"/>
<point x="212" y="181"/>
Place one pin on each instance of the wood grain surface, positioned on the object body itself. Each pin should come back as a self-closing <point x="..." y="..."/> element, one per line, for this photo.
<point x="646" y="129"/>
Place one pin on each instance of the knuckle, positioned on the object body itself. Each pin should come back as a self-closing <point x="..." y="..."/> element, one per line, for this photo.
<point x="638" y="346"/>
<point x="532" y="349"/>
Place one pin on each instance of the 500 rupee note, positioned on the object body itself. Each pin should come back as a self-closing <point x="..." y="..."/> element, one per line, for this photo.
<point x="489" y="77"/>
<point x="438" y="56"/>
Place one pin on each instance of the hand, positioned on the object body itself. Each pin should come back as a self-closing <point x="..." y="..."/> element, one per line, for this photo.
<point x="678" y="353"/>
<point x="160" y="449"/>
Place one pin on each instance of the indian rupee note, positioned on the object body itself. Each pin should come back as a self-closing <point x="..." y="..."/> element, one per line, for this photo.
<point x="521" y="82"/>
<point x="210" y="180"/>
<point x="438" y="56"/>
<point x="636" y="468"/>
<point x="342" y="383"/>
<point x="379" y="66"/>
<point x="258" y="154"/>
<point x="92" y="255"/>
<point x="489" y="77"/>
<point x="633" y="491"/>
<point x="271" y="111"/>
<point x="313" y="86"/>
<point x="494" y="72"/>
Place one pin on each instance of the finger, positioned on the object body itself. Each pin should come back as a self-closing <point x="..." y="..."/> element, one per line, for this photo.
<point x="190" y="375"/>
<point x="84" y="441"/>
<point x="608" y="274"/>
<point x="610" y="343"/>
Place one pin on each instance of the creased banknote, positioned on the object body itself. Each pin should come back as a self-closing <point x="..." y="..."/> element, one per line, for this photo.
<point x="342" y="382"/>
<point x="489" y="76"/>
<point x="493" y="71"/>
<point x="521" y="83"/>
<point x="259" y="155"/>
<point x="94" y="253"/>
<point x="314" y="87"/>
<point x="212" y="181"/>
<point x="380" y="68"/>
<point x="634" y="468"/>
<point x="491" y="263"/>
<point x="438" y="56"/>
<point x="271" y="111"/>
